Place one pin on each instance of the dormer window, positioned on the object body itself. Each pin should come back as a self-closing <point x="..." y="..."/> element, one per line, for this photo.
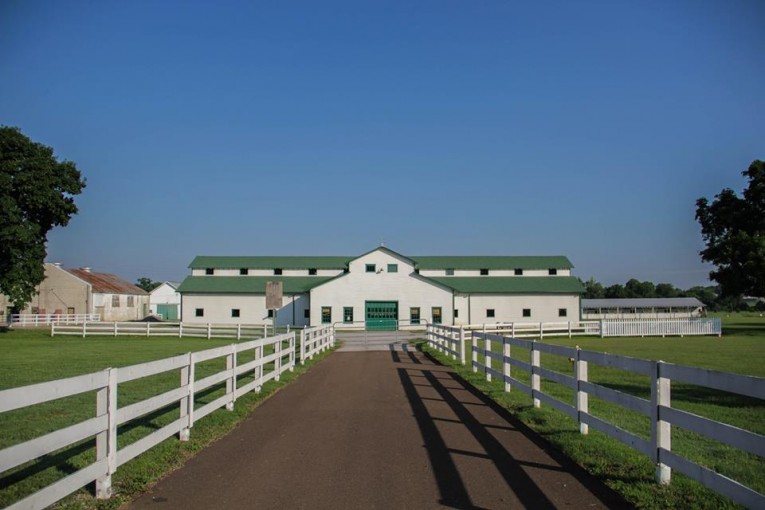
<point x="209" y="271"/>
<point x="312" y="271"/>
<point x="244" y="271"/>
<point x="484" y="272"/>
<point x="450" y="272"/>
<point x="277" y="271"/>
<point x="552" y="271"/>
<point x="519" y="272"/>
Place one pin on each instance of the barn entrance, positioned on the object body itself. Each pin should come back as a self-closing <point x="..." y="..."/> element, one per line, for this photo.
<point x="381" y="315"/>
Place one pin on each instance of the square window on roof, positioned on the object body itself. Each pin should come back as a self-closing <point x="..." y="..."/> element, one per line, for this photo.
<point x="484" y="272"/>
<point x="552" y="271"/>
<point x="209" y="271"/>
<point x="277" y="271"/>
<point x="450" y="271"/>
<point x="312" y="271"/>
<point x="244" y="271"/>
<point x="518" y="272"/>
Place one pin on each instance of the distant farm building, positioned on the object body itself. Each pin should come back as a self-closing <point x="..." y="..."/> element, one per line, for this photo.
<point x="383" y="287"/>
<point x="642" y="308"/>
<point x="165" y="301"/>
<point x="82" y="291"/>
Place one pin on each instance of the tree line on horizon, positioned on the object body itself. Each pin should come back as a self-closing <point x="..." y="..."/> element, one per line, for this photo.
<point x="710" y="295"/>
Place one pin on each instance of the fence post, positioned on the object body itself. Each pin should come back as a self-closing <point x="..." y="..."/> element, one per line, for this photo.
<point x="474" y="352"/>
<point x="505" y="362"/>
<point x="53" y="329"/>
<point x="602" y="333"/>
<point x="454" y="336"/>
<point x="582" y="403"/>
<point x="265" y="330"/>
<point x="302" y="346"/>
<point x="487" y="359"/>
<point x="661" y="430"/>
<point x="259" y="367"/>
<point x="84" y="328"/>
<point x="106" y="441"/>
<point x="278" y="360"/>
<point x="185" y="432"/>
<point x="535" y="379"/>
<point x="541" y="330"/>
<point x="114" y="324"/>
<point x="462" y="345"/>
<point x="238" y="330"/>
<point x="148" y="328"/>
<point x="292" y="350"/>
<point x="209" y="330"/>
<point x="569" y="329"/>
<point x="231" y="379"/>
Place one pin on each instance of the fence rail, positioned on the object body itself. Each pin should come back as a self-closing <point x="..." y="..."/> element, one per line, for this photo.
<point x="271" y="357"/>
<point x="486" y="354"/>
<point x="602" y="328"/>
<point x="47" y="319"/>
<point x="174" y="329"/>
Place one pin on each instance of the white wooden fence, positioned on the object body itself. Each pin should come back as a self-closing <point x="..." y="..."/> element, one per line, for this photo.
<point x="47" y="319"/>
<point x="661" y="327"/>
<point x="539" y="329"/>
<point x="174" y="329"/>
<point x="263" y="368"/>
<point x="451" y="341"/>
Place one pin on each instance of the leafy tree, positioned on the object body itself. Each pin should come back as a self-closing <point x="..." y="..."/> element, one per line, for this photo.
<point x="147" y="284"/>
<point x="593" y="290"/>
<point x="666" y="290"/>
<point x="36" y="194"/>
<point x="616" y="291"/>
<point x="733" y="229"/>
<point x="636" y="289"/>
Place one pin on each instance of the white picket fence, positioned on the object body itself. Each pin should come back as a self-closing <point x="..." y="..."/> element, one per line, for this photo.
<point x="46" y="319"/>
<point x="538" y="329"/>
<point x="486" y="349"/>
<point x="661" y="327"/>
<point x="173" y="329"/>
<point x="108" y="417"/>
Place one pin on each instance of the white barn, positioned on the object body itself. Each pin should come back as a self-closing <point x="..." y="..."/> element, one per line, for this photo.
<point x="165" y="301"/>
<point x="642" y="308"/>
<point x="380" y="288"/>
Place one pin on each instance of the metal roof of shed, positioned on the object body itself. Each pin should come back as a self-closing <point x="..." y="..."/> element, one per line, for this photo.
<point x="106" y="283"/>
<point x="689" y="302"/>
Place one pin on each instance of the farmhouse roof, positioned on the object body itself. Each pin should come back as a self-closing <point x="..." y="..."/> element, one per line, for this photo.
<point x="683" y="302"/>
<point x="512" y="284"/>
<point x="106" y="283"/>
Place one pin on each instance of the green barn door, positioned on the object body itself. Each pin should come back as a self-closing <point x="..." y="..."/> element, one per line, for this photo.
<point x="168" y="312"/>
<point x="381" y="315"/>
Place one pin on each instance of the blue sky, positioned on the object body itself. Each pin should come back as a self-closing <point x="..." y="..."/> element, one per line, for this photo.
<point x="586" y="129"/>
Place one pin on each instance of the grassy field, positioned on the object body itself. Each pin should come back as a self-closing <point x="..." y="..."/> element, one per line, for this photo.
<point x="32" y="356"/>
<point x="740" y="350"/>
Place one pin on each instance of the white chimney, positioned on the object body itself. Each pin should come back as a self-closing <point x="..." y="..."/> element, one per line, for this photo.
<point x="86" y="269"/>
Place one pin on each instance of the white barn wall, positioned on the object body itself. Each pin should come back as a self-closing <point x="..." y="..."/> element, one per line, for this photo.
<point x="358" y="286"/>
<point x="493" y="272"/>
<point x="252" y="309"/>
<point x="544" y="307"/>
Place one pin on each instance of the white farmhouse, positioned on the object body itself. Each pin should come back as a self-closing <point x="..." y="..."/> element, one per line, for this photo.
<point x="381" y="289"/>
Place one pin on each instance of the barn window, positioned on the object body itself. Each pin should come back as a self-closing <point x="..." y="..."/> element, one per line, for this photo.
<point x="371" y="268"/>
<point x="484" y="272"/>
<point x="518" y="272"/>
<point x="414" y="314"/>
<point x="436" y="314"/>
<point x="347" y="314"/>
<point x="552" y="271"/>
<point x="244" y="271"/>
<point x="393" y="268"/>
<point x="270" y="314"/>
<point x="562" y="312"/>
<point x="527" y="312"/>
<point x="131" y="301"/>
<point x="312" y="271"/>
<point x="277" y="271"/>
<point x="450" y="272"/>
<point x="456" y="313"/>
<point x="209" y="271"/>
<point x="235" y="312"/>
<point x="326" y="315"/>
<point x="115" y="301"/>
<point x="307" y="313"/>
<point x="490" y="312"/>
<point x="199" y="312"/>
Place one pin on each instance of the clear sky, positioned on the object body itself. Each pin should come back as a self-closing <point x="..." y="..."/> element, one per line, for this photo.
<point x="585" y="129"/>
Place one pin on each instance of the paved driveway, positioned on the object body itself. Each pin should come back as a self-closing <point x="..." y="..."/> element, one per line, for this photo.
<point x="379" y="430"/>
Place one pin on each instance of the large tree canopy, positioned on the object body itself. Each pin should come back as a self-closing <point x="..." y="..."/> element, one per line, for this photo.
<point x="36" y="194"/>
<point x="733" y="229"/>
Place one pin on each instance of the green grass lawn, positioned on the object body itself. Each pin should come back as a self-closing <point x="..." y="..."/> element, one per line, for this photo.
<point x="741" y="350"/>
<point x="32" y="356"/>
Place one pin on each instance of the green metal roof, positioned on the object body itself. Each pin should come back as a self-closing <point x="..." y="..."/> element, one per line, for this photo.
<point x="512" y="284"/>
<point x="248" y="284"/>
<point x="203" y="262"/>
<point x="493" y="262"/>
